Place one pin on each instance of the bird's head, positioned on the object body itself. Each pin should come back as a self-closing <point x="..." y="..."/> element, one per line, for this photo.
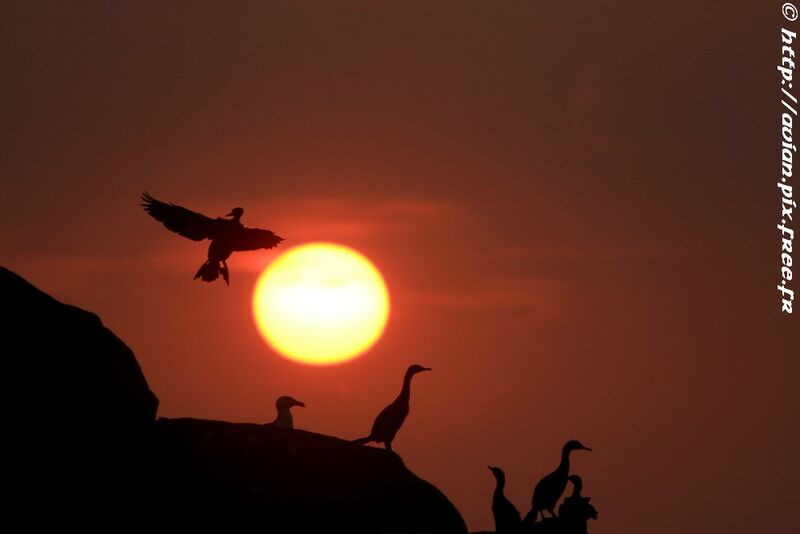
<point x="498" y="473"/>
<point x="574" y="445"/>
<point x="286" y="402"/>
<point x="414" y="369"/>
<point x="236" y="213"/>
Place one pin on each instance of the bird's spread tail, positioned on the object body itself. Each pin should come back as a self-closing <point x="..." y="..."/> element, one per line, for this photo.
<point x="208" y="272"/>
<point x="361" y="441"/>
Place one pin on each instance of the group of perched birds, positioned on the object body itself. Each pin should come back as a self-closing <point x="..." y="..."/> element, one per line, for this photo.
<point x="572" y="514"/>
<point x="386" y="424"/>
<point x="229" y="235"/>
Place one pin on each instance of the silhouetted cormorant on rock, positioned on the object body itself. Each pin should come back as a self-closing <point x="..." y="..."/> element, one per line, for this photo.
<point x="284" y="405"/>
<point x="576" y="510"/>
<point x="506" y="516"/>
<point x="226" y="235"/>
<point x="549" y="489"/>
<point x="391" y="418"/>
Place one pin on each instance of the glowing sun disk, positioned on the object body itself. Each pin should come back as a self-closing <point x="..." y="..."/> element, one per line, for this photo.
<point x="321" y="303"/>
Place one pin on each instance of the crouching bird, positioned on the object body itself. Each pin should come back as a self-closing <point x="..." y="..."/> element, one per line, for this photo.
<point x="227" y="235"/>
<point x="576" y="507"/>
<point x="391" y="418"/>
<point x="284" y="405"/>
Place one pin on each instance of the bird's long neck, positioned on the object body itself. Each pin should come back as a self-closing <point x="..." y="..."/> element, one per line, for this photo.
<point x="405" y="393"/>
<point x="501" y="485"/>
<point x="576" y="491"/>
<point x="563" y="467"/>
<point x="284" y="419"/>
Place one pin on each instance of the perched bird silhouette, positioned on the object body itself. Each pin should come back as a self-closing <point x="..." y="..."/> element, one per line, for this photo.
<point x="391" y="418"/>
<point x="506" y="516"/>
<point x="549" y="489"/>
<point x="577" y="486"/>
<point x="576" y="506"/>
<point x="227" y="235"/>
<point x="284" y="405"/>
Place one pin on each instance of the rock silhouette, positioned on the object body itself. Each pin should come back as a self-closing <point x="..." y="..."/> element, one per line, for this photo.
<point x="248" y="476"/>
<point x="227" y="235"/>
<point x="85" y="449"/>
<point x="72" y="363"/>
<point x="78" y="441"/>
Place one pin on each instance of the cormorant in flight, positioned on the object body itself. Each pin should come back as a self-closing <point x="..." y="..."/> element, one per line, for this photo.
<point x="284" y="419"/>
<point x="391" y="418"/>
<point x="549" y="489"/>
<point x="506" y="517"/>
<point x="227" y="235"/>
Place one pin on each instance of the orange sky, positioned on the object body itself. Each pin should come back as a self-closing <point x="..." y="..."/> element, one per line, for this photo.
<point x="573" y="207"/>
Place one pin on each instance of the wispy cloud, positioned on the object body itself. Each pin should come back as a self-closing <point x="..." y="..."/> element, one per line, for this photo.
<point x="540" y="295"/>
<point x="314" y="218"/>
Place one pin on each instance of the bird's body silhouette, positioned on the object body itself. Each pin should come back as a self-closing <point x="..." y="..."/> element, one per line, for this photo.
<point x="391" y="418"/>
<point x="506" y="517"/>
<point x="550" y="488"/>
<point x="227" y="235"/>
<point x="284" y="405"/>
<point x="576" y="507"/>
<point x="577" y="486"/>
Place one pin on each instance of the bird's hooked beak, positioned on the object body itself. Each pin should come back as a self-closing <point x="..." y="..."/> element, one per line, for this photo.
<point x="426" y="369"/>
<point x="229" y="214"/>
<point x="586" y="448"/>
<point x="298" y="403"/>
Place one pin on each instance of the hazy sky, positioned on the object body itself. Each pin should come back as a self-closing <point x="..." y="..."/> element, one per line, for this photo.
<point x="574" y="209"/>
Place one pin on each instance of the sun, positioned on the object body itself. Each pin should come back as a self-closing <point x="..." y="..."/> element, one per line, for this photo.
<point x="321" y="304"/>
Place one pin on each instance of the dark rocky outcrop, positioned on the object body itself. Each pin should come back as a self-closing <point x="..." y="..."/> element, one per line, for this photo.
<point x="68" y="366"/>
<point x="84" y="448"/>
<point x="82" y="416"/>
<point x="258" y="476"/>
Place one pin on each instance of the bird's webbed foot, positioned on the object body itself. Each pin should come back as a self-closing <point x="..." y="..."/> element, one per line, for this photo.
<point x="224" y="271"/>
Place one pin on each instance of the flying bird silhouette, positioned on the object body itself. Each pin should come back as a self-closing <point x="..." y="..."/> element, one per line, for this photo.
<point x="391" y="418"/>
<point x="227" y="235"/>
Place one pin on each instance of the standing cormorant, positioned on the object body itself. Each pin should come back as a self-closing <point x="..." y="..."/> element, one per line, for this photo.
<point x="391" y="418"/>
<point x="549" y="489"/>
<point x="227" y="235"/>
<point x="506" y="516"/>
<point x="284" y="405"/>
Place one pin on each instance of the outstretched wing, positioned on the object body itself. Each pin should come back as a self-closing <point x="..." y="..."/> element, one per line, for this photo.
<point x="181" y="220"/>
<point x="253" y="239"/>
